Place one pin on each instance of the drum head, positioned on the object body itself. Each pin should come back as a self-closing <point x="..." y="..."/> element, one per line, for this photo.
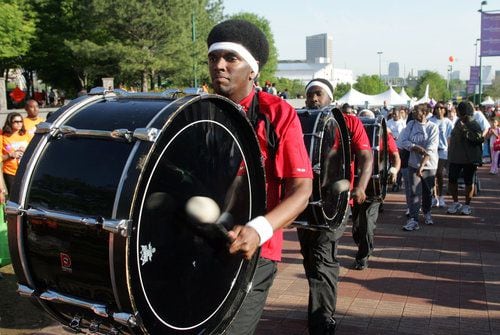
<point x="326" y="139"/>
<point x="182" y="277"/>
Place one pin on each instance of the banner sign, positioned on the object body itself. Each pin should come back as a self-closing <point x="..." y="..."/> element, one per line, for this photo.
<point x="471" y="88"/>
<point x="474" y="75"/>
<point x="490" y="34"/>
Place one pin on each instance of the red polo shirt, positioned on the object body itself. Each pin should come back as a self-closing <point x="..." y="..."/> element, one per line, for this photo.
<point x="291" y="161"/>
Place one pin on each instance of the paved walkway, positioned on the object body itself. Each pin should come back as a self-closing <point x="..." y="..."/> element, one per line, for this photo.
<point x="442" y="279"/>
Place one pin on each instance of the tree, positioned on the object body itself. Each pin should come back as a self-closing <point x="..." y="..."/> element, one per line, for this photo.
<point x="295" y="87"/>
<point x="340" y="90"/>
<point x="494" y="90"/>
<point x="437" y="86"/>
<point x="268" y="71"/>
<point x="16" y="32"/>
<point x="370" y="84"/>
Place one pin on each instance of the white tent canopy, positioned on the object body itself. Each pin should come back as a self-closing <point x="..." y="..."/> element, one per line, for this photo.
<point x="355" y="98"/>
<point x="405" y="95"/>
<point x="425" y="99"/>
<point x="391" y="97"/>
<point x="488" y="102"/>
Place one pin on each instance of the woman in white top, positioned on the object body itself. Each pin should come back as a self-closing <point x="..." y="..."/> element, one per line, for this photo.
<point x="420" y="137"/>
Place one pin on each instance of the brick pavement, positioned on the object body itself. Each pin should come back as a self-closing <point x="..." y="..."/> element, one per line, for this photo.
<point x="442" y="279"/>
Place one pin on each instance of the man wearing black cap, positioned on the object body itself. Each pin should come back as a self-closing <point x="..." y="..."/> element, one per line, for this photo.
<point x="319" y="248"/>
<point x="237" y="49"/>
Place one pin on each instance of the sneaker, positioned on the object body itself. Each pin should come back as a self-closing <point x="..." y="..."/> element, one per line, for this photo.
<point x="466" y="210"/>
<point x="441" y="201"/>
<point x="428" y="218"/>
<point x="412" y="224"/>
<point x="435" y="202"/>
<point x="407" y="213"/>
<point x="454" y="208"/>
<point x="360" y="264"/>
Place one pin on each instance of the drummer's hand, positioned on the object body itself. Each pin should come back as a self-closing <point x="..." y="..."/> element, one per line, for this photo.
<point x="393" y="175"/>
<point x="245" y="241"/>
<point x="358" y="195"/>
<point x="420" y="170"/>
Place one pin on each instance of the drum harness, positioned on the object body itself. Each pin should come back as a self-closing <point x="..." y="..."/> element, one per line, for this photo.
<point x="272" y="141"/>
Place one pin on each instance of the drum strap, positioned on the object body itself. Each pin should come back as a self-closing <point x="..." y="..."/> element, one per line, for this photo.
<point x="272" y="140"/>
<point x="255" y="116"/>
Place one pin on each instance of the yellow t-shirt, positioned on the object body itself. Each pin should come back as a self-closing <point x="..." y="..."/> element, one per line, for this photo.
<point x="30" y="125"/>
<point x="11" y="143"/>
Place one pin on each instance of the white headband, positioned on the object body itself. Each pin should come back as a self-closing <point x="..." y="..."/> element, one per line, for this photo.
<point x="240" y="50"/>
<point x="322" y="85"/>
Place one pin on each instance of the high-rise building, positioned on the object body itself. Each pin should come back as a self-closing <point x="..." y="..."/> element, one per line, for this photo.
<point x="319" y="48"/>
<point x="393" y="71"/>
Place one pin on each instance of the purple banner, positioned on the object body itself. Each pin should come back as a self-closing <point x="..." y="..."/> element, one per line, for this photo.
<point x="471" y="88"/>
<point x="490" y="34"/>
<point x="474" y="75"/>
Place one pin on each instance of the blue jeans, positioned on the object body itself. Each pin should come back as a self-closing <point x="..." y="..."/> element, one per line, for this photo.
<point x="420" y="191"/>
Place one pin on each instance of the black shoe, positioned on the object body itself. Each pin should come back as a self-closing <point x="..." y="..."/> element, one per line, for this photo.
<point x="360" y="264"/>
<point x="330" y="327"/>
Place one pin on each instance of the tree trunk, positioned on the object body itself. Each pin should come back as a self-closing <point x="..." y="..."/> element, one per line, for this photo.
<point x="145" y="81"/>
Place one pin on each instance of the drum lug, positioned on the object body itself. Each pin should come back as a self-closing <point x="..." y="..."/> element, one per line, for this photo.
<point x="146" y="134"/>
<point x="98" y="309"/>
<point x="25" y="291"/>
<point x="318" y="203"/>
<point x="13" y="208"/>
<point x="43" y="128"/>
<point x="317" y="168"/>
<point x="125" y="319"/>
<point x="121" y="227"/>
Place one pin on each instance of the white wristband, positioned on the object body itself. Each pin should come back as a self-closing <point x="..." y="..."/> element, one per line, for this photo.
<point x="263" y="228"/>
<point x="393" y="170"/>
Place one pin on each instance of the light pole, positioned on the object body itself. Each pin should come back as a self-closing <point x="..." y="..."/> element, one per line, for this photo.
<point x="481" y="58"/>
<point x="379" y="67"/>
<point x="475" y="55"/>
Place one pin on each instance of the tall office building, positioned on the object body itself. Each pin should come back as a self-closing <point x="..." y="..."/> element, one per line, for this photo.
<point x="393" y="71"/>
<point x="319" y="48"/>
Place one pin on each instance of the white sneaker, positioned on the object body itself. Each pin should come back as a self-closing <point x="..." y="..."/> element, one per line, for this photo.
<point x="454" y="208"/>
<point x="428" y="218"/>
<point x="435" y="202"/>
<point x="412" y="224"/>
<point x="441" y="202"/>
<point x="466" y="210"/>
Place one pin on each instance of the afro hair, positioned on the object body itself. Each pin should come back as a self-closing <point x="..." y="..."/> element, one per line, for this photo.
<point x="242" y="32"/>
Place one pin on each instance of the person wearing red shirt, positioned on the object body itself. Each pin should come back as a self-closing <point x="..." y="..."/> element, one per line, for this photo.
<point x="365" y="216"/>
<point x="319" y="248"/>
<point x="237" y="49"/>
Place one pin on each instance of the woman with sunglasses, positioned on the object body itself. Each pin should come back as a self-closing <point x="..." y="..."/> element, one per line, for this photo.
<point x="15" y="139"/>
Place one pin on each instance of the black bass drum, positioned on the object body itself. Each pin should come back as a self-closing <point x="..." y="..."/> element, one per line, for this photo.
<point x="98" y="232"/>
<point x="327" y="140"/>
<point x="376" y="129"/>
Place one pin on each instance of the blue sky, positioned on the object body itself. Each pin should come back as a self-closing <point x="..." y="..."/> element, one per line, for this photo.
<point x="420" y="35"/>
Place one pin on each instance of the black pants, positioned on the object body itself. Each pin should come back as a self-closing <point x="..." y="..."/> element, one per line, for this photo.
<point x="9" y="181"/>
<point x="247" y="318"/>
<point x="364" y="222"/>
<point x="322" y="268"/>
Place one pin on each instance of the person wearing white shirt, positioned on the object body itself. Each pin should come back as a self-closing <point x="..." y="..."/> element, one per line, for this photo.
<point x="396" y="124"/>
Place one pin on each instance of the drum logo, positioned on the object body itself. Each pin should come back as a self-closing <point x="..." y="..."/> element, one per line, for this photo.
<point x="147" y="252"/>
<point x="65" y="262"/>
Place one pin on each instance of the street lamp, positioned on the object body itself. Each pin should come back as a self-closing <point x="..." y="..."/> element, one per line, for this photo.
<point x="475" y="55"/>
<point x="481" y="58"/>
<point x="380" y="68"/>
